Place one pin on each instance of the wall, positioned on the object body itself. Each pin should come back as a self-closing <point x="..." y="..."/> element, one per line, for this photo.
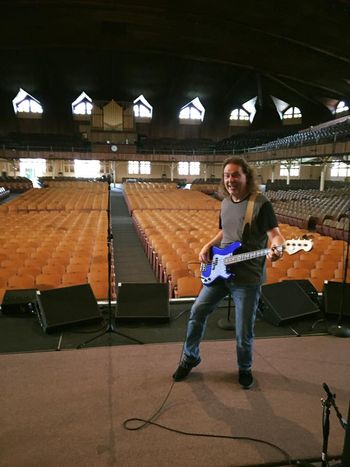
<point x="161" y="169"/>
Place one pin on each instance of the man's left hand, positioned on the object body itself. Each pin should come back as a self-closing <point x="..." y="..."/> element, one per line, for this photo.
<point x="275" y="253"/>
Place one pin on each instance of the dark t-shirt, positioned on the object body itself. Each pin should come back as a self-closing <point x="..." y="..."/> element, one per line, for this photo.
<point x="232" y="223"/>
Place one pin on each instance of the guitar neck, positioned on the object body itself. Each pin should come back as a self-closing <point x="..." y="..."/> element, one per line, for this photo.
<point x="246" y="256"/>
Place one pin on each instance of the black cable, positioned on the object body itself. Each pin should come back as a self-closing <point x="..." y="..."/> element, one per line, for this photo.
<point x="180" y="314"/>
<point x="144" y="422"/>
<point x="206" y="435"/>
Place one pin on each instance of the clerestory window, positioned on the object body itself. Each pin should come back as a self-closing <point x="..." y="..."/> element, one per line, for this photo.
<point x="239" y="114"/>
<point x="25" y="103"/>
<point x="291" y="113"/>
<point x="82" y="105"/>
<point x="192" y="111"/>
<point x="341" y="107"/>
<point x="142" y="108"/>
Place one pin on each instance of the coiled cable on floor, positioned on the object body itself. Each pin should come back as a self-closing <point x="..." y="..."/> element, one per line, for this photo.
<point x="140" y="423"/>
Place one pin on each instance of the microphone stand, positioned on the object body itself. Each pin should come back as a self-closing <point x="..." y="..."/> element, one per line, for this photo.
<point x="327" y="403"/>
<point x="340" y="330"/>
<point x="111" y="324"/>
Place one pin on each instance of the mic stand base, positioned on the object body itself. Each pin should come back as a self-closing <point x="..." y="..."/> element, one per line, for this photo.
<point x="339" y="330"/>
<point x="109" y="330"/>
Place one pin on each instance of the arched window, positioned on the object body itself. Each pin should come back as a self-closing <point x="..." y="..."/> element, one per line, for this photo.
<point x="239" y="114"/>
<point x="193" y="111"/>
<point x="291" y="113"/>
<point x="142" y="108"/>
<point x="341" y="107"/>
<point x="82" y="105"/>
<point x="25" y="103"/>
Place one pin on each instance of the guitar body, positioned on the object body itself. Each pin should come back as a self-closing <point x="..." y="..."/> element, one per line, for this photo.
<point x="217" y="268"/>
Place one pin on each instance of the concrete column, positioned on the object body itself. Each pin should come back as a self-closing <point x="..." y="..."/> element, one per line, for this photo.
<point x="322" y="178"/>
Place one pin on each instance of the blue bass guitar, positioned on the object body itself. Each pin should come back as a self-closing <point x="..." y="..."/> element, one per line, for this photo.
<point x="223" y="257"/>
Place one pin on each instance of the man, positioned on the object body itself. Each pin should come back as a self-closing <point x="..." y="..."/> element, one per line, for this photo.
<point x="244" y="285"/>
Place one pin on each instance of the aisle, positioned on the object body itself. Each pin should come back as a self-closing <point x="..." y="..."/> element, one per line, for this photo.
<point x="131" y="262"/>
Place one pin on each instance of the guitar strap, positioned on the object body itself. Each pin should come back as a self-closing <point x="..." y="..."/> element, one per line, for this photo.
<point x="249" y="214"/>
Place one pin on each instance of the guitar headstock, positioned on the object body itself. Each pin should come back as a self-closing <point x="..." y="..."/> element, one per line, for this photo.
<point x="296" y="244"/>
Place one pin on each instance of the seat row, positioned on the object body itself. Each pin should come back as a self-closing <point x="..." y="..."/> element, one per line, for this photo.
<point x="171" y="199"/>
<point x="89" y="197"/>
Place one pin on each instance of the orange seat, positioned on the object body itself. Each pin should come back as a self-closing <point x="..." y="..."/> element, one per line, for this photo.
<point x="52" y="268"/>
<point x="188" y="287"/>
<point x="21" y="282"/>
<point x="78" y="267"/>
<point x="339" y="274"/>
<point x="305" y="263"/>
<point x="29" y="271"/>
<point x="100" y="290"/>
<point x="3" y="282"/>
<point x="176" y="274"/>
<point x="324" y="273"/>
<point x="298" y="273"/>
<point x="73" y="278"/>
<point x="317" y="282"/>
<point x="48" y="281"/>
<point x="2" y="293"/>
<point x="273" y="275"/>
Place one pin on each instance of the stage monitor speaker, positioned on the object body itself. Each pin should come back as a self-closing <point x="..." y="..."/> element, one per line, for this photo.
<point x="333" y="296"/>
<point x="19" y="302"/>
<point x="67" y="306"/>
<point x="284" y="301"/>
<point x="143" y="300"/>
<point x="308" y="287"/>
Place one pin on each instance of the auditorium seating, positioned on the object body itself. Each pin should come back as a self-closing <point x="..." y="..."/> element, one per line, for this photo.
<point x="324" y="212"/>
<point x="57" y="237"/>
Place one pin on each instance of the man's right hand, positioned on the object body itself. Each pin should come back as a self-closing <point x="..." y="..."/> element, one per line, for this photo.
<point x="204" y="254"/>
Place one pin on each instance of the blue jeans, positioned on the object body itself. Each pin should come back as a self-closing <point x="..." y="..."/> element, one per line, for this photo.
<point x="245" y="299"/>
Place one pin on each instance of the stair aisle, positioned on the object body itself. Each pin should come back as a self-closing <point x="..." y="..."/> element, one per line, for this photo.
<point x="131" y="263"/>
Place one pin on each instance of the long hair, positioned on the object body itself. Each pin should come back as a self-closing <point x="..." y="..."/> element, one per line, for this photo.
<point x="247" y="170"/>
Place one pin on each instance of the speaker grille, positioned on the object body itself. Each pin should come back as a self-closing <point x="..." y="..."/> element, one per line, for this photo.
<point x="333" y="295"/>
<point x="285" y="301"/>
<point x="142" y="300"/>
<point x="67" y="306"/>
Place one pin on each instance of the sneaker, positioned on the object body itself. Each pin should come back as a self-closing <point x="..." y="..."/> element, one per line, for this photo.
<point x="245" y="379"/>
<point x="184" y="369"/>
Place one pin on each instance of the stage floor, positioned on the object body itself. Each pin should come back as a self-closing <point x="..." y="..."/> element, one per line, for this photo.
<point x="67" y="408"/>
